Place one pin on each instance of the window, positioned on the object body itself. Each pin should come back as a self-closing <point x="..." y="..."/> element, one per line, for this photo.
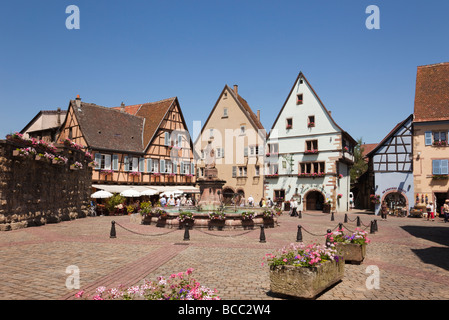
<point x="311" y="168"/>
<point x="311" y="146"/>
<point x="234" y="171"/>
<point x="98" y="161"/>
<point x="155" y="166"/>
<point x="256" y="171"/>
<point x="289" y="123"/>
<point x="105" y="162"/>
<point x="179" y="140"/>
<point x="299" y="99"/>
<point x="439" y="138"/>
<point x="135" y="164"/>
<point x="141" y="164"/>
<point x="225" y="112"/>
<point x="168" y="166"/>
<point x="440" y="167"/>
<point x="167" y="138"/>
<point x="115" y="162"/>
<point x="242" y="171"/>
<point x="273" y="148"/>
<point x="273" y="168"/>
<point x="242" y="130"/>
<point x="211" y="133"/>
<point x="253" y="150"/>
<point x="311" y="121"/>
<point x="163" y="168"/>
<point x="126" y="163"/>
<point x="149" y="165"/>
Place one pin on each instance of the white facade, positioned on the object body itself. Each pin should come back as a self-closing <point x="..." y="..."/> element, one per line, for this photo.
<point x="308" y="154"/>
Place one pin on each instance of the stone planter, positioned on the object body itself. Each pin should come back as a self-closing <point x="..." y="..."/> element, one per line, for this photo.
<point x="247" y="224"/>
<point x="216" y="223"/>
<point x="352" y="253"/>
<point x="305" y="283"/>
<point x="182" y="224"/>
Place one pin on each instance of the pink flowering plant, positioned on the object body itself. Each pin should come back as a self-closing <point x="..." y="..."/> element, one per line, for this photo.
<point x="339" y="236"/>
<point x="180" y="286"/>
<point x="302" y="255"/>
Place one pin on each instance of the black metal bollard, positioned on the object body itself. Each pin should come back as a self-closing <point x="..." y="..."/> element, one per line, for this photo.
<point x="358" y="221"/>
<point x="186" y="233"/>
<point x="327" y="235"/>
<point x="346" y="218"/>
<point x="299" y="214"/>
<point x="332" y="216"/>
<point x="375" y="225"/>
<point x="112" y="234"/>
<point x="371" y="227"/>
<point x="262" y="234"/>
<point x="299" y="234"/>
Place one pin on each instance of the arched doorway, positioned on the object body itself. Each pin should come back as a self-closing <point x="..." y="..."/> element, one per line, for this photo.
<point x="228" y="196"/>
<point x="313" y="200"/>
<point x="396" y="201"/>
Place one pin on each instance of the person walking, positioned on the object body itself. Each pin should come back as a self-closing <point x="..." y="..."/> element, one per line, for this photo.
<point x="445" y="209"/>
<point x="430" y="211"/>
<point x="294" y="205"/>
<point x="384" y="210"/>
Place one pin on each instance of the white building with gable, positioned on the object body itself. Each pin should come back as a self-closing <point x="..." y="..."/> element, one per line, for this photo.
<point x="308" y="156"/>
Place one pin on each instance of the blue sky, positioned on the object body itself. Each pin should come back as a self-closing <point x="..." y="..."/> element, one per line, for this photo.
<point x="140" y="51"/>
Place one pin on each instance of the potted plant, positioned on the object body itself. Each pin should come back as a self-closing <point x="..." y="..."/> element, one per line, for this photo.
<point x="185" y="217"/>
<point x="304" y="271"/>
<point x="247" y="219"/>
<point x="216" y="219"/>
<point x="351" y="246"/>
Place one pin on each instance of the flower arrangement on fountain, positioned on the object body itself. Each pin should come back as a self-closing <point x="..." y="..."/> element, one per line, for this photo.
<point x="180" y="286"/>
<point x="269" y="214"/>
<point x="358" y="237"/>
<point x="185" y="215"/>
<point x="248" y="215"/>
<point x="302" y="255"/>
<point x="159" y="213"/>
<point x="217" y="215"/>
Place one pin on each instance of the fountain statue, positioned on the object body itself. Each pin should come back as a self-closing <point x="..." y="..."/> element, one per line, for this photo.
<point x="210" y="186"/>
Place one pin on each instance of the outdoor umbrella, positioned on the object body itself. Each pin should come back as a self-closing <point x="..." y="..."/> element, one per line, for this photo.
<point x="130" y="193"/>
<point x="148" y="192"/>
<point x="173" y="193"/>
<point x="102" y="194"/>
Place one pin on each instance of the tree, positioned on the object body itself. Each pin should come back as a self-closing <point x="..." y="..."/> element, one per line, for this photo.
<point x="360" y="165"/>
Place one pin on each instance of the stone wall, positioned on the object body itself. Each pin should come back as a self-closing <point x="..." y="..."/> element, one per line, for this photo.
<point x="35" y="190"/>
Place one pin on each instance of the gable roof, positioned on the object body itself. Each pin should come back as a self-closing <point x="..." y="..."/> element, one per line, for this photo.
<point x="108" y="129"/>
<point x="48" y="120"/>
<point x="154" y="113"/>
<point x="242" y="104"/>
<point x="432" y="93"/>
<point x="302" y="76"/>
<point x="389" y="135"/>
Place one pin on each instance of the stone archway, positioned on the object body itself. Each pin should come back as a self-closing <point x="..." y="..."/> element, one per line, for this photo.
<point x="228" y="195"/>
<point x="395" y="198"/>
<point x="313" y="200"/>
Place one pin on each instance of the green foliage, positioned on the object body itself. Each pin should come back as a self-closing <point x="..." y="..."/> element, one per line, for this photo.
<point x="114" y="201"/>
<point x="360" y="166"/>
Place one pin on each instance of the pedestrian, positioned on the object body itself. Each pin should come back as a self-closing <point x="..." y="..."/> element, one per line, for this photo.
<point x="384" y="210"/>
<point x="430" y="211"/>
<point x="163" y="201"/>
<point x="251" y="201"/>
<point x="446" y="210"/>
<point x="294" y="205"/>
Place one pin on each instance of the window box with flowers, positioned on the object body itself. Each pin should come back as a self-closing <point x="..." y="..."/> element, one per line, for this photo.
<point x="312" y="151"/>
<point x="76" y="166"/>
<point x="288" y="126"/>
<point x="60" y="160"/>
<point x="310" y="269"/>
<point x="106" y="172"/>
<point x="439" y="143"/>
<point x="352" y="247"/>
<point x="25" y="153"/>
<point x="311" y="175"/>
<point x="271" y="176"/>
<point x="71" y="144"/>
<point x="311" y="124"/>
<point x="440" y="177"/>
<point x="45" y="157"/>
<point x="134" y="174"/>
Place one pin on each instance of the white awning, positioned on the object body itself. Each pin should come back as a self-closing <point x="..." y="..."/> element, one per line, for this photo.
<point x="120" y="188"/>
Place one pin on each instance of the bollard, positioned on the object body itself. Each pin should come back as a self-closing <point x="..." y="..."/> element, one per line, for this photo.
<point x="340" y="226"/>
<point x="346" y="218"/>
<point x="332" y="217"/>
<point x="371" y="227"/>
<point x="262" y="234"/>
<point x="327" y="235"/>
<point x="375" y="225"/>
<point x="299" y="214"/>
<point x="112" y="234"/>
<point x="358" y="221"/>
<point x="186" y="233"/>
<point x="299" y="234"/>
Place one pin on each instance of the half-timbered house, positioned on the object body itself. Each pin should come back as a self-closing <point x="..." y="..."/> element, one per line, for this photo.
<point x="392" y="169"/>
<point x="141" y="145"/>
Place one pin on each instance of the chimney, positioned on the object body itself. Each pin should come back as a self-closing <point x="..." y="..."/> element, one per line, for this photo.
<point x="330" y="112"/>
<point x="122" y="107"/>
<point x="78" y="101"/>
<point x="236" y="89"/>
<point x="258" y="115"/>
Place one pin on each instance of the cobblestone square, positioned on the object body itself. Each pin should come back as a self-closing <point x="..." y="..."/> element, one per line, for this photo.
<point x="411" y="254"/>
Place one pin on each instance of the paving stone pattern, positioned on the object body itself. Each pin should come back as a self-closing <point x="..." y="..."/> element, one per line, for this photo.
<point x="411" y="254"/>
